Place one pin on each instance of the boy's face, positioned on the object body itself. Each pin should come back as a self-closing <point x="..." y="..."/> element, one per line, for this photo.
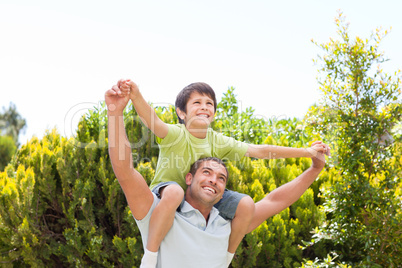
<point x="207" y="185"/>
<point x="200" y="111"/>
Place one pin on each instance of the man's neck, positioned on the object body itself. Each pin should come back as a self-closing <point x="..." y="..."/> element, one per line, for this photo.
<point x="205" y="213"/>
<point x="205" y="210"/>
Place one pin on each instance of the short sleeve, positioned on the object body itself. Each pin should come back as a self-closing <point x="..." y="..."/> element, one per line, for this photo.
<point x="175" y="133"/>
<point x="228" y="148"/>
<point x="145" y="221"/>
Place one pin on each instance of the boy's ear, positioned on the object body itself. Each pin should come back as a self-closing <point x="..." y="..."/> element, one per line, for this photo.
<point x="180" y="113"/>
<point x="189" y="179"/>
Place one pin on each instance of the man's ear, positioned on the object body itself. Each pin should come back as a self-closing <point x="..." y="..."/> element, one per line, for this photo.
<point x="189" y="179"/>
<point x="180" y="113"/>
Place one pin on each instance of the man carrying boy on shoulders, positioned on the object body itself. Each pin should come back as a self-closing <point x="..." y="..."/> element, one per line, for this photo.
<point x="196" y="106"/>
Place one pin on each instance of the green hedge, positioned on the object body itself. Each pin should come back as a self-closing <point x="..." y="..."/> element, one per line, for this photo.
<point x="61" y="204"/>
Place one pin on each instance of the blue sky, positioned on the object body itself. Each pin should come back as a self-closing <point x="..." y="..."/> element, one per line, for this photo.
<point x="57" y="58"/>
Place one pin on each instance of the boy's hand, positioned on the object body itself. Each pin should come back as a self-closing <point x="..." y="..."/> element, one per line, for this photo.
<point x="128" y="87"/>
<point x="318" y="147"/>
<point x="116" y="99"/>
<point x="318" y="150"/>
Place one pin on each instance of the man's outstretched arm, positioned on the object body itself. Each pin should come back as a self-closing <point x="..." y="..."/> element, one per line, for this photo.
<point x="287" y="194"/>
<point x="135" y="188"/>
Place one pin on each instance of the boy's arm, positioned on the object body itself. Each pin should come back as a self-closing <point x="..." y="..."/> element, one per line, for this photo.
<point x="287" y="194"/>
<point x="263" y="151"/>
<point x="145" y="111"/>
<point x="135" y="188"/>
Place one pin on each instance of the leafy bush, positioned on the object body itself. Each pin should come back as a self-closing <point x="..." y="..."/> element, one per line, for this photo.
<point x="61" y="204"/>
<point x="7" y="150"/>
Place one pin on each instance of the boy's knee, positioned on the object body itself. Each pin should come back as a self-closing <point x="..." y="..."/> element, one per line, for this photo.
<point x="246" y="207"/>
<point x="173" y="192"/>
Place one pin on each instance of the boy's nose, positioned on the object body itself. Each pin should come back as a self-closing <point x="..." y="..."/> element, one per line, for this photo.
<point x="204" y="106"/>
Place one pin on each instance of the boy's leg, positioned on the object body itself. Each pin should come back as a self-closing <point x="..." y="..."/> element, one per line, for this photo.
<point x="241" y="221"/>
<point x="163" y="215"/>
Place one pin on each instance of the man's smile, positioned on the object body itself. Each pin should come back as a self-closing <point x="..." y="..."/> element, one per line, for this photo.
<point x="210" y="189"/>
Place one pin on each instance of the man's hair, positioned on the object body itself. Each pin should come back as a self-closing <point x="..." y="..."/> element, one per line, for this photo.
<point x="197" y="164"/>
<point x="184" y="95"/>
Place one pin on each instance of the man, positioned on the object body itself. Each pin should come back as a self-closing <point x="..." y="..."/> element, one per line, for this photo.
<point x="199" y="236"/>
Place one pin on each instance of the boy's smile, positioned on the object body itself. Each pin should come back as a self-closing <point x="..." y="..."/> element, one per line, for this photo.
<point x="199" y="112"/>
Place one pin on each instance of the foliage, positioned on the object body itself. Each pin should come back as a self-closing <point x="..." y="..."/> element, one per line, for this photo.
<point x="241" y="125"/>
<point x="359" y="109"/>
<point x="61" y="204"/>
<point x="11" y="122"/>
<point x="11" y="125"/>
<point x="328" y="261"/>
<point x="7" y="150"/>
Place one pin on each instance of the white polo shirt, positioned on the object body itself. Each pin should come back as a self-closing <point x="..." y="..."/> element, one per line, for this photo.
<point x="191" y="242"/>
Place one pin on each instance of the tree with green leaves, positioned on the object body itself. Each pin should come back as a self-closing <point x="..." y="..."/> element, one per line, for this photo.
<point x="360" y="106"/>
<point x="11" y="122"/>
<point x="11" y="125"/>
<point x="7" y="150"/>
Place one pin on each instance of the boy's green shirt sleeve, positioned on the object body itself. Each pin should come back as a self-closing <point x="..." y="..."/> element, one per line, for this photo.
<point x="173" y="134"/>
<point x="227" y="148"/>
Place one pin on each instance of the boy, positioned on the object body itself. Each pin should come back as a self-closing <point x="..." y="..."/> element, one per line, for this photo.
<point x="183" y="144"/>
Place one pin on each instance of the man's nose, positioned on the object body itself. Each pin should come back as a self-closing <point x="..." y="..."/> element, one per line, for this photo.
<point x="212" y="180"/>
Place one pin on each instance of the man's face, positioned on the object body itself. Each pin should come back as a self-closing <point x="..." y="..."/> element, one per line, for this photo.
<point x="207" y="185"/>
<point x="199" y="112"/>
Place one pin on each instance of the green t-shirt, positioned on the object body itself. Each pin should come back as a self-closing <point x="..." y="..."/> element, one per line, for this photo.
<point x="179" y="150"/>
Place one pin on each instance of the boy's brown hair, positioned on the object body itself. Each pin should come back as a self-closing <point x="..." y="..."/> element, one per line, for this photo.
<point x="184" y="95"/>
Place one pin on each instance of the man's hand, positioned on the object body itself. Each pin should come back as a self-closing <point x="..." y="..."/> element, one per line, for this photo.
<point x="319" y="150"/>
<point x="116" y="99"/>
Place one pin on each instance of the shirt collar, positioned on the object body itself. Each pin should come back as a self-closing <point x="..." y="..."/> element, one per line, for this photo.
<point x="185" y="207"/>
